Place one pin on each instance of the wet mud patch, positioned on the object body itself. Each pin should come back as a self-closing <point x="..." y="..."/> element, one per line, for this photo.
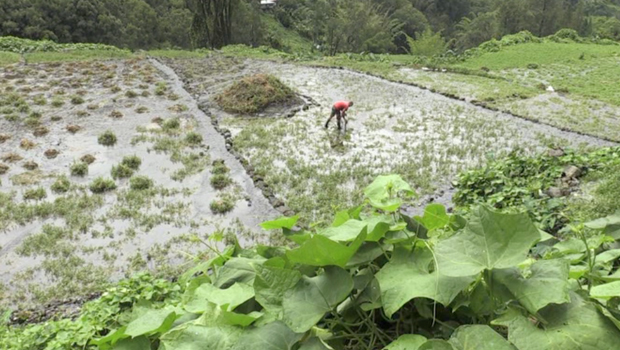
<point x="393" y="128"/>
<point x="108" y="172"/>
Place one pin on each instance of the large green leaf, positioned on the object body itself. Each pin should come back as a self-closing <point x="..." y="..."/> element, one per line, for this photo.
<point x="435" y="217"/>
<point x="383" y="192"/>
<point x="346" y="232"/>
<point x="151" y="322"/>
<point x="236" y="319"/>
<point x="206" y="265"/>
<point x="312" y="297"/>
<point x="577" y="325"/>
<point x="322" y="251"/>
<point x="610" y="225"/>
<point x="408" y="276"/>
<point x="606" y="291"/>
<point x="407" y="342"/>
<point x="283" y="222"/>
<point x="273" y="336"/>
<point x="270" y="285"/>
<point x="378" y="226"/>
<point x="140" y="343"/>
<point x="314" y="343"/>
<point x="478" y="337"/>
<point x="548" y="283"/>
<point x="237" y="269"/>
<point x="436" y="344"/>
<point x="232" y="297"/>
<point x="197" y="337"/>
<point x="491" y="240"/>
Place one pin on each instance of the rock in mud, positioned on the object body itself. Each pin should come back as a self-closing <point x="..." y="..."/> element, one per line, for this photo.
<point x="556" y="192"/>
<point x="51" y="153"/>
<point x="4" y="137"/>
<point x="73" y="128"/>
<point x="558" y="152"/>
<point x="88" y="159"/>
<point x="3" y="168"/>
<point x="40" y="131"/>
<point x="571" y="172"/>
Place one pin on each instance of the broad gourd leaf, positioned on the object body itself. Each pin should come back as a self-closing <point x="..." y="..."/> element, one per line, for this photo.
<point x="140" y="343"/>
<point x="283" y="222"/>
<point x="205" y="266"/>
<point x="407" y="276"/>
<point x="111" y="338"/>
<point x="383" y="192"/>
<point x="273" y="336"/>
<point x="346" y="232"/>
<point x="322" y="251"/>
<point x="601" y="223"/>
<point x="577" y="325"/>
<point x="243" y="320"/>
<point x="478" y="337"/>
<point x="436" y="344"/>
<point x="491" y="240"/>
<point x="153" y="321"/>
<point x="237" y="270"/>
<point x="314" y="343"/>
<point x="607" y="256"/>
<point x="378" y="226"/>
<point x="547" y="284"/>
<point x="435" y="217"/>
<point x="232" y="297"/>
<point x="606" y="291"/>
<point x="270" y="285"/>
<point x="197" y="337"/>
<point x="407" y="342"/>
<point x="312" y="297"/>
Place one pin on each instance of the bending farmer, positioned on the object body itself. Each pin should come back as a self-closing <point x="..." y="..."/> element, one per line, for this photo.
<point x="339" y="110"/>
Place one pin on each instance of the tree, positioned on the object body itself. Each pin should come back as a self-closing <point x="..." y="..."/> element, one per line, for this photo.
<point x="212" y="25"/>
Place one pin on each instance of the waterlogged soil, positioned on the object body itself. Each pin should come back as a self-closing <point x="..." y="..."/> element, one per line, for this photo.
<point x="393" y="128"/>
<point x="532" y="94"/>
<point x="57" y="243"/>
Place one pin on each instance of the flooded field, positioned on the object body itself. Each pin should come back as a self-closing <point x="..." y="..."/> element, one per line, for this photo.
<point x="107" y="168"/>
<point x="394" y="128"/>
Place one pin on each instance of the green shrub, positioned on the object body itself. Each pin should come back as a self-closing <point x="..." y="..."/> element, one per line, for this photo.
<point x="107" y="138"/>
<point x="220" y="181"/>
<point x="121" y="171"/>
<point x="131" y="94"/>
<point x="140" y="183"/>
<point x="219" y="167"/>
<point x="35" y="194"/>
<point x="132" y="162"/>
<point x="57" y="102"/>
<point x="170" y="124"/>
<point x="193" y="138"/>
<point x="61" y="185"/>
<point x="101" y="185"/>
<point x="77" y="100"/>
<point x="79" y="169"/>
<point x="222" y="205"/>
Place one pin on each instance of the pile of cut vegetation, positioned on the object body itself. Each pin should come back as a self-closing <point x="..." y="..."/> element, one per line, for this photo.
<point x="254" y="93"/>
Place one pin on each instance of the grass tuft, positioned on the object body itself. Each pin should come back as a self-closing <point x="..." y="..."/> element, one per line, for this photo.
<point x="254" y="93"/>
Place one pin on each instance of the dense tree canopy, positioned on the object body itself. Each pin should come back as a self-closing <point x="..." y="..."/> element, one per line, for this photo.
<point x="331" y="25"/>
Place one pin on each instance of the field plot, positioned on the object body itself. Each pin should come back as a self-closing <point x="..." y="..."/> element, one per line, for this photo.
<point x="394" y="128"/>
<point x="568" y="85"/>
<point x="107" y="168"/>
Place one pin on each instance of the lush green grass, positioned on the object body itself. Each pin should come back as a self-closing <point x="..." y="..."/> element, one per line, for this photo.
<point x="519" y="56"/>
<point x="253" y="93"/>
<point x="8" y="58"/>
<point x="289" y="40"/>
<point x="77" y="55"/>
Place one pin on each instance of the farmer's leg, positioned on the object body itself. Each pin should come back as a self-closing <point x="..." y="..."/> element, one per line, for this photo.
<point x="334" y="112"/>
<point x="339" y="117"/>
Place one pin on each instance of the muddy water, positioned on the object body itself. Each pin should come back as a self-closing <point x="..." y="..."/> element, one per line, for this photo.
<point x="113" y="244"/>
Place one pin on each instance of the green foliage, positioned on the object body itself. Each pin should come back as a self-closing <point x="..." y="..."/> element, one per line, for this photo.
<point x="220" y="181"/>
<point x="193" y="138"/>
<point x="253" y="93"/>
<point x="101" y="185"/>
<point x="427" y="44"/>
<point x="121" y="171"/>
<point x="61" y="185"/>
<point x="79" y="169"/>
<point x="132" y="162"/>
<point x="140" y="183"/>
<point x="171" y="124"/>
<point x="222" y="205"/>
<point x="368" y="281"/>
<point x="523" y="182"/>
<point x="35" y="194"/>
<point x="108" y="138"/>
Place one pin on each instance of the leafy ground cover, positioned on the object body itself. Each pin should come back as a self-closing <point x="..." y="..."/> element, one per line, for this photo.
<point x="373" y="279"/>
